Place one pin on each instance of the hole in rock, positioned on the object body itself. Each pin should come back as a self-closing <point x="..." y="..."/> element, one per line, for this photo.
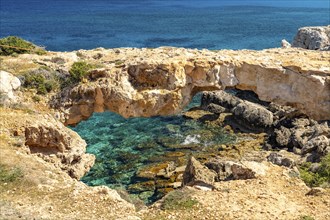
<point x="146" y="156"/>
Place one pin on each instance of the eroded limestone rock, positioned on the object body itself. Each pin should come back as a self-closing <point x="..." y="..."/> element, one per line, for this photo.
<point x="229" y="170"/>
<point x="59" y="145"/>
<point x="167" y="78"/>
<point x="313" y="38"/>
<point x="197" y="174"/>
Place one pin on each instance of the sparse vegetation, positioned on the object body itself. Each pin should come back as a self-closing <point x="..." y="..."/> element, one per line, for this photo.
<point x="319" y="178"/>
<point x="178" y="200"/>
<point x="36" y="98"/>
<point x="119" y="62"/>
<point x="10" y="174"/>
<point x="13" y="45"/>
<point x="306" y="217"/>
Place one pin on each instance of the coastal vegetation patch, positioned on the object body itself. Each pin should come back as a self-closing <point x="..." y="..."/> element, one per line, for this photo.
<point x="319" y="176"/>
<point x="43" y="80"/>
<point x="13" y="45"/>
<point x="79" y="70"/>
<point x="178" y="200"/>
<point x="10" y="174"/>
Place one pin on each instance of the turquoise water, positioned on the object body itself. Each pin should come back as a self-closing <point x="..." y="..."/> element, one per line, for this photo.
<point x="124" y="146"/>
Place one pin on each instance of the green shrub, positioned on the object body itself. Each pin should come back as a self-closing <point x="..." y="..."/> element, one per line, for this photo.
<point x="41" y="89"/>
<point x="10" y="175"/>
<point x="43" y="80"/>
<point x="14" y="45"/>
<point x="322" y="176"/>
<point x="79" y="70"/>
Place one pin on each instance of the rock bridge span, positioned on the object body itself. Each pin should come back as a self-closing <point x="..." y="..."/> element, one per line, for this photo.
<point x="148" y="82"/>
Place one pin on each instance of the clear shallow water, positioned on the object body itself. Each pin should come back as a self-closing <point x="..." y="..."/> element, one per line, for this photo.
<point x="64" y="25"/>
<point x="124" y="146"/>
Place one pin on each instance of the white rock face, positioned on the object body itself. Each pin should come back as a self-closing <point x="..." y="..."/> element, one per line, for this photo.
<point x="8" y="84"/>
<point x="313" y="38"/>
<point x="285" y="44"/>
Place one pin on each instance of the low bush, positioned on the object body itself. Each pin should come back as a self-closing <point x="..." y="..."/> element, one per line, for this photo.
<point x="319" y="178"/>
<point x="79" y="70"/>
<point x="43" y="80"/>
<point x="14" y="45"/>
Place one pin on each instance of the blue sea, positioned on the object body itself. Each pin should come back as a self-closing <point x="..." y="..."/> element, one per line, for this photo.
<point x="124" y="146"/>
<point x="65" y="25"/>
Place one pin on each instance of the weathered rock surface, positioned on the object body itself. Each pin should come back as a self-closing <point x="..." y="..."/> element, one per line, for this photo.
<point x="286" y="127"/>
<point x="280" y="160"/>
<point x="8" y="84"/>
<point x="198" y="174"/>
<point x="254" y="114"/>
<point x="55" y="143"/>
<point x="248" y="114"/>
<point x="304" y="136"/>
<point x="313" y="38"/>
<point x="44" y="191"/>
<point x="229" y="170"/>
<point x="162" y="81"/>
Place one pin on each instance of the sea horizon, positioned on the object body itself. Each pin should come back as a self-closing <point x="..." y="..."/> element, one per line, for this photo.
<point x="215" y="25"/>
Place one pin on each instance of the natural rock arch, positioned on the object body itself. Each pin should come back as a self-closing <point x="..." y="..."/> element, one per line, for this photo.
<point x="167" y="78"/>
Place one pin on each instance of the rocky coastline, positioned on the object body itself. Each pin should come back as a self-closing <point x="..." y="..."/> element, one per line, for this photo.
<point x="278" y="100"/>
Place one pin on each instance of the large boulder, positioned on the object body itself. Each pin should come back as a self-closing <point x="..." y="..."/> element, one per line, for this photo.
<point x="254" y="114"/>
<point x="8" y="84"/>
<point x="320" y="143"/>
<point x="313" y="38"/>
<point x="198" y="174"/>
<point x="220" y="98"/>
